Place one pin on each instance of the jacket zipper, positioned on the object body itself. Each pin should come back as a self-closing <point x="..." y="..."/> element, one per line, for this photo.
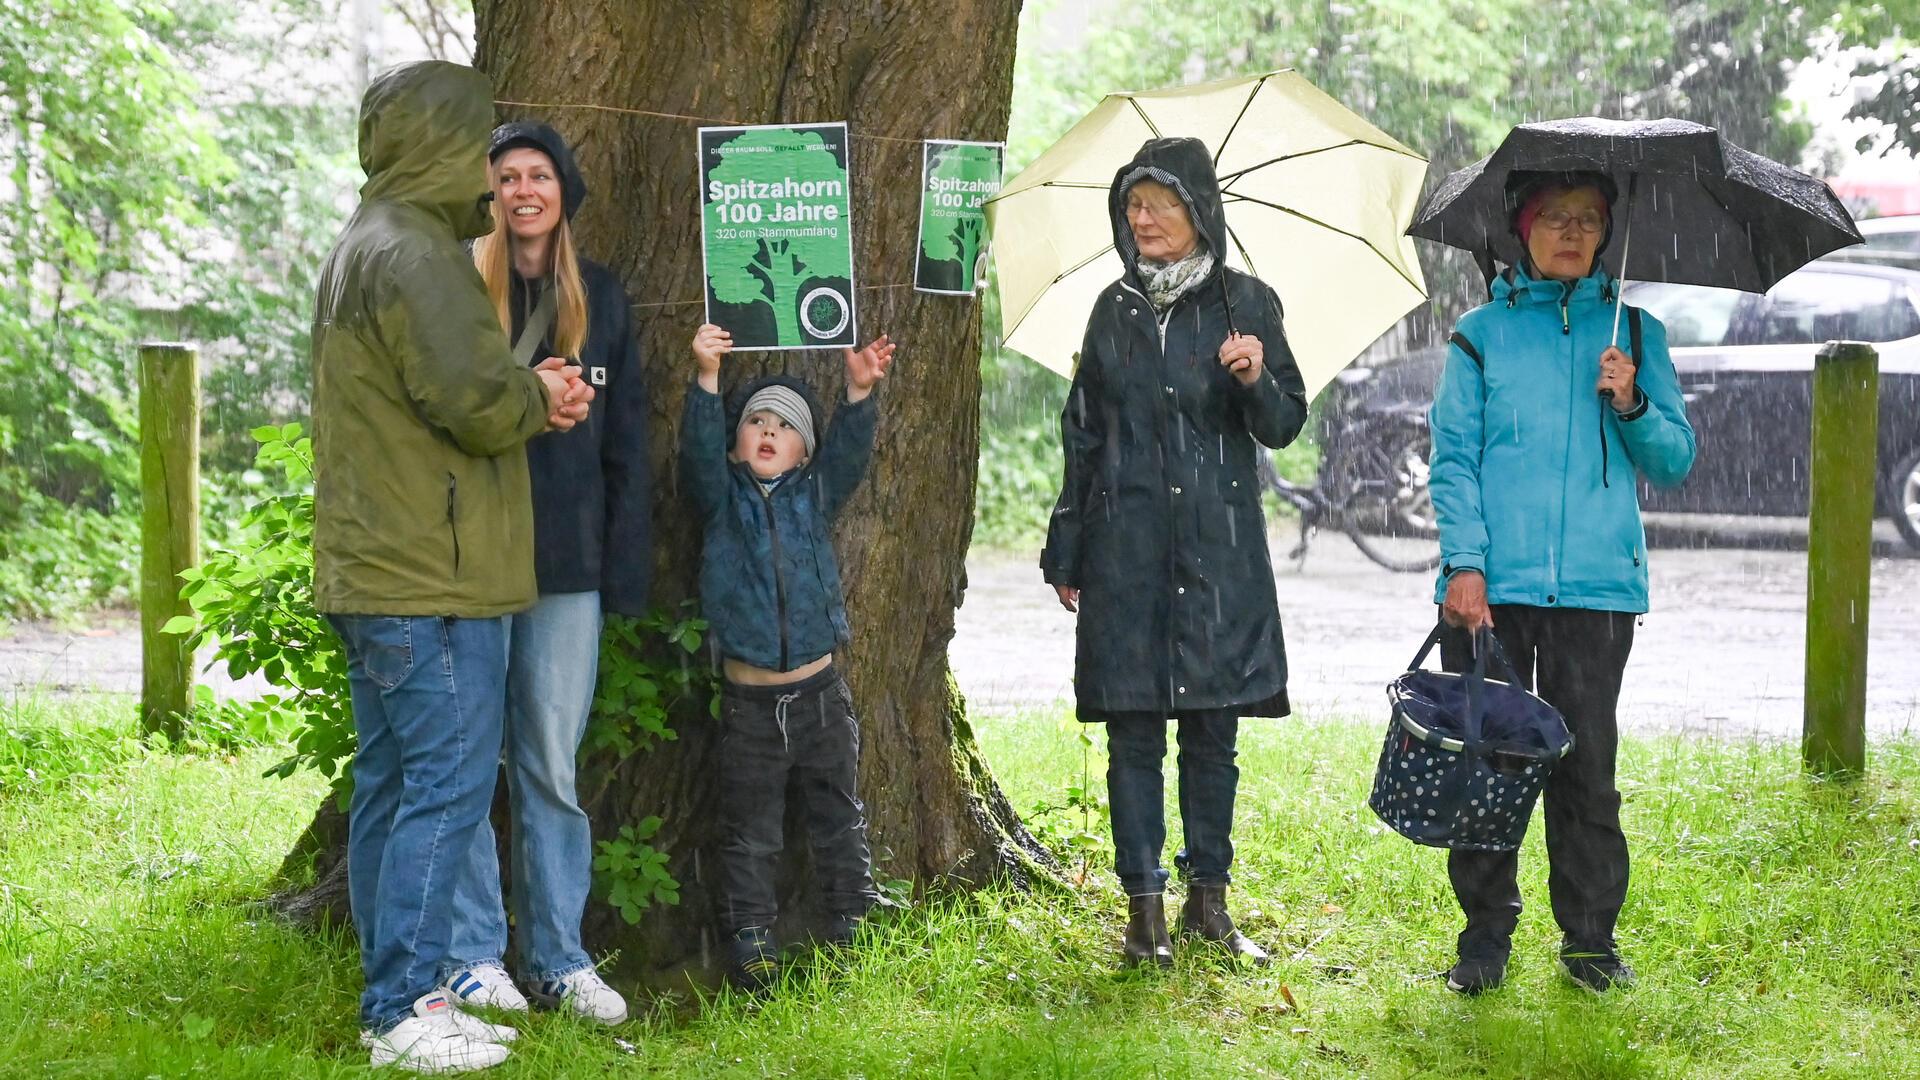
<point x="779" y="577"/>
<point x="453" y="525"/>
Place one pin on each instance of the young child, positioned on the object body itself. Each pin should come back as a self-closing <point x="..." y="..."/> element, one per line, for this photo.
<point x="770" y="590"/>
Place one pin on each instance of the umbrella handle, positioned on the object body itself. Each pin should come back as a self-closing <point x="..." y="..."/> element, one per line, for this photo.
<point x="1227" y="300"/>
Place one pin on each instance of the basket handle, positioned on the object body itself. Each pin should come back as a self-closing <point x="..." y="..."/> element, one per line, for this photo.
<point x="1419" y="658"/>
<point x="1485" y="643"/>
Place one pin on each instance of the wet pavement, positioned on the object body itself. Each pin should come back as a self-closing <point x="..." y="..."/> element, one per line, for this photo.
<point x="1721" y="653"/>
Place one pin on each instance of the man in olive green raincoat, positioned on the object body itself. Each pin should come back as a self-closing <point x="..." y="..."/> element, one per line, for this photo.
<point x="423" y="535"/>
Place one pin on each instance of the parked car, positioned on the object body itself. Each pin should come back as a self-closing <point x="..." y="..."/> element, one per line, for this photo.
<point x="1891" y="241"/>
<point x="1745" y="363"/>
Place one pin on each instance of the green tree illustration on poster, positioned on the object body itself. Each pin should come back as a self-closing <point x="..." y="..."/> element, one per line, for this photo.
<point x="962" y="242"/>
<point x="742" y="266"/>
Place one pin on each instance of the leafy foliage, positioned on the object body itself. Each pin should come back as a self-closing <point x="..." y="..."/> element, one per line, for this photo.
<point x="1019" y="477"/>
<point x="650" y="669"/>
<point x="104" y="148"/>
<point x="139" y="203"/>
<point x="638" y="690"/>
<point x="632" y="873"/>
<point x="254" y="599"/>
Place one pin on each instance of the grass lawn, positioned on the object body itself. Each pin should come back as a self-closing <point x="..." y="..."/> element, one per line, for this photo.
<point x="1775" y="925"/>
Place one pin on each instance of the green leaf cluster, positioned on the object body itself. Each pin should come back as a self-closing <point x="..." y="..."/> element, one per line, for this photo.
<point x="166" y="171"/>
<point x="631" y="874"/>
<point x="253" y="600"/>
<point x="649" y="668"/>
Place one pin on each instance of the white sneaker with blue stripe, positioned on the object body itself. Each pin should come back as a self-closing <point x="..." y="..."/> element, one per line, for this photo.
<point x="485" y="986"/>
<point x="585" y="994"/>
<point x="438" y="1038"/>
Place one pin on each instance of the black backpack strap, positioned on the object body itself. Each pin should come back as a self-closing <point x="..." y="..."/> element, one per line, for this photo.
<point x="1459" y="340"/>
<point x="1633" y="333"/>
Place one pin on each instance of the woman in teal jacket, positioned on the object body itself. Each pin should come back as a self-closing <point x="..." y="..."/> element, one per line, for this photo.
<point x="1539" y="426"/>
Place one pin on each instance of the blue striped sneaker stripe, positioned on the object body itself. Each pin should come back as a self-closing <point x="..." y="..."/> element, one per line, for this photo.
<point x="465" y="984"/>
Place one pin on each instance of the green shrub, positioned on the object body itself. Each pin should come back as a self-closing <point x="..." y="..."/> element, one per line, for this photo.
<point x="253" y="598"/>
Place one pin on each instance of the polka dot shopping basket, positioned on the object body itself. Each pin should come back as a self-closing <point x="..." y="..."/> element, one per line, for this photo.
<point x="1465" y="755"/>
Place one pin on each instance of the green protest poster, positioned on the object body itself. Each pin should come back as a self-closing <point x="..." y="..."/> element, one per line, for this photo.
<point x="956" y="180"/>
<point x="776" y="235"/>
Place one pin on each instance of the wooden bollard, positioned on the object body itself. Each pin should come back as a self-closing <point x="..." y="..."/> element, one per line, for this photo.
<point x="1846" y="410"/>
<point x="169" y="527"/>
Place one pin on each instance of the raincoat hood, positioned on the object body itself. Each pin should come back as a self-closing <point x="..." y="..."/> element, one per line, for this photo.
<point x="1185" y="166"/>
<point x="423" y="142"/>
<point x="530" y="133"/>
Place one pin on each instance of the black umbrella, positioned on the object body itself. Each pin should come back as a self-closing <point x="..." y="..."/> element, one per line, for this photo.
<point x="1708" y="212"/>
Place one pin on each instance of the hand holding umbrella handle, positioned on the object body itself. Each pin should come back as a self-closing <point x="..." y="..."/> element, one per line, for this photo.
<point x="1612" y="360"/>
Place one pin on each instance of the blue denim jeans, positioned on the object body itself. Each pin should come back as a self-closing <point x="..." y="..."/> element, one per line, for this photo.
<point x="553" y="656"/>
<point x="1136" y="792"/>
<point x="427" y="699"/>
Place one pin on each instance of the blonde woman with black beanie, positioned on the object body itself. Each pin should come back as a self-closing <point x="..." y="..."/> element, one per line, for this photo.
<point x="593" y="553"/>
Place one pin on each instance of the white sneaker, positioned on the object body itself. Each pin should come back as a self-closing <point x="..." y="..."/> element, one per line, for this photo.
<point x="586" y="994"/>
<point x="486" y="986"/>
<point x="433" y="1040"/>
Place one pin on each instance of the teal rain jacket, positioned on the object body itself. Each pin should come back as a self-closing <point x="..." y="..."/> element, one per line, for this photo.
<point x="1533" y="473"/>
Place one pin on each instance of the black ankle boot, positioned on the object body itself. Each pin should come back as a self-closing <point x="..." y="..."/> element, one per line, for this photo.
<point x="753" y="963"/>
<point x="1206" y="918"/>
<point x="1147" y="941"/>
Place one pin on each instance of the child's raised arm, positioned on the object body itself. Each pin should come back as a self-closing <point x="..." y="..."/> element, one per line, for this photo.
<point x="867" y="367"/>
<point x="710" y="345"/>
<point x="703" y="424"/>
<point x="849" y="440"/>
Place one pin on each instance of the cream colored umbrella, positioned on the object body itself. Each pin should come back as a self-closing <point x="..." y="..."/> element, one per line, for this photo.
<point x="1317" y="202"/>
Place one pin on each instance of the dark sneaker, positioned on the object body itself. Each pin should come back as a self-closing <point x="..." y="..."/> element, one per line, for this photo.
<point x="840" y="931"/>
<point x="1596" y="970"/>
<point x="1472" y="977"/>
<point x="753" y="964"/>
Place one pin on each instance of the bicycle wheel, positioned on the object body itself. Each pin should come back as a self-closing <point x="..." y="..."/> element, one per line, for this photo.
<point x="1389" y="515"/>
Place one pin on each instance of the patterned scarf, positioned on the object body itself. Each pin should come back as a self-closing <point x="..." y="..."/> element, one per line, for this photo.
<point x="1168" y="282"/>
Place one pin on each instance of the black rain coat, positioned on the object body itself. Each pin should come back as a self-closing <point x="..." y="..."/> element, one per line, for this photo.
<point x="1159" y="522"/>
<point x="592" y="486"/>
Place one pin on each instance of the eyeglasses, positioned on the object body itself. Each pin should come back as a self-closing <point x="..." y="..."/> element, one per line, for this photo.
<point x="1559" y="220"/>
<point x="1164" y="212"/>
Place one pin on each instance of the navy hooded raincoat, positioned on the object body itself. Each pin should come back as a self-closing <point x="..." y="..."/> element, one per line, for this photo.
<point x="1159" y="521"/>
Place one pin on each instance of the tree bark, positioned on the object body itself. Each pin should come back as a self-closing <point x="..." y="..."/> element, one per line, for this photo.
<point x="897" y="72"/>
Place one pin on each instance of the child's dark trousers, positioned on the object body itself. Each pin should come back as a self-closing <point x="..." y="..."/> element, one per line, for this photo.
<point x="804" y="734"/>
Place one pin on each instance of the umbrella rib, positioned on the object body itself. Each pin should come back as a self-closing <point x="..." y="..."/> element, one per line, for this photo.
<point x="1244" y="253"/>
<point x="1237" y="174"/>
<point x="1336" y="229"/>
<point x="1046" y="184"/>
<point x="1235" y="126"/>
<point x="1057" y="279"/>
<point x="1144" y="118"/>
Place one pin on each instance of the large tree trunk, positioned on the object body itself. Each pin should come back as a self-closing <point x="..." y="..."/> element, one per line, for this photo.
<point x="897" y="72"/>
